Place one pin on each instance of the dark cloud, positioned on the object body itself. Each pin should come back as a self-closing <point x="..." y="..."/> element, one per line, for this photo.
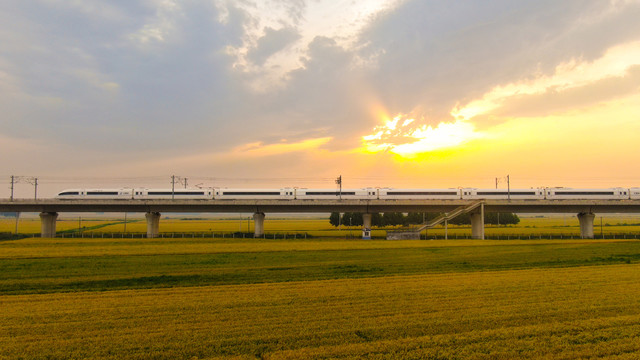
<point x="164" y="85"/>
<point x="323" y="93"/>
<point x="272" y="42"/>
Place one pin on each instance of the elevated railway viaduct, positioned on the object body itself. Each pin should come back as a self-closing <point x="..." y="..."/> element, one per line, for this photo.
<point x="585" y="209"/>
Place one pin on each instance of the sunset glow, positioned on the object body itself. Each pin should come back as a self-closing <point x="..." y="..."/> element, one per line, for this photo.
<point x="406" y="137"/>
<point x="615" y="63"/>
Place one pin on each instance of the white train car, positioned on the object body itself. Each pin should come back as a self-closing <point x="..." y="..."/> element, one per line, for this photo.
<point x="251" y="194"/>
<point x="516" y="194"/>
<point x="329" y="194"/>
<point x="408" y="194"/>
<point x="107" y="194"/>
<point x="587" y="194"/>
<point x="634" y="193"/>
<point x="185" y="194"/>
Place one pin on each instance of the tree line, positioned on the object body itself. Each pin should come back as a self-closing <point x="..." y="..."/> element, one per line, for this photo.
<point x="398" y="218"/>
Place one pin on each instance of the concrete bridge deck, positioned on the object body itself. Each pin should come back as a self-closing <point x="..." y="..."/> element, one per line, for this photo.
<point x="288" y="206"/>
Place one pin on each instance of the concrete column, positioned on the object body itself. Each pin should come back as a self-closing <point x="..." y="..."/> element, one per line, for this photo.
<point x="258" y="224"/>
<point x="477" y="223"/>
<point x="366" y="226"/>
<point x="48" y="224"/>
<point x="366" y="221"/>
<point x="586" y="225"/>
<point x="153" y="224"/>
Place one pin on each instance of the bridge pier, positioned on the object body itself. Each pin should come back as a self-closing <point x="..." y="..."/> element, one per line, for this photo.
<point x="586" y="225"/>
<point x="153" y="224"/>
<point x="48" y="224"/>
<point x="366" y="226"/>
<point x="477" y="223"/>
<point x="366" y="221"/>
<point x="258" y="224"/>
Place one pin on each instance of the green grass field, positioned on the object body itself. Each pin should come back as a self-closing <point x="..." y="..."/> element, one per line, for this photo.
<point x="319" y="298"/>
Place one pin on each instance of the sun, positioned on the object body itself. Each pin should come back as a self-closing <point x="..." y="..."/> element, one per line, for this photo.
<point x="406" y="137"/>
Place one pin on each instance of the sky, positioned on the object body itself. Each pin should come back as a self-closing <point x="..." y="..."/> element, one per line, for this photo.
<point x="269" y="94"/>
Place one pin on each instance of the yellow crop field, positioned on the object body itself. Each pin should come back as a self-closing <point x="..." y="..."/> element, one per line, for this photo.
<point x="551" y="225"/>
<point x="569" y="313"/>
<point x="73" y="247"/>
<point x="204" y="298"/>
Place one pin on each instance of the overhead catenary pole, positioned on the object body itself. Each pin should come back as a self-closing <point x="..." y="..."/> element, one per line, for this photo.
<point x="12" y="181"/>
<point x="35" y="191"/>
<point x="339" y="182"/>
<point x="446" y="229"/>
<point x="173" y="186"/>
<point x="508" y="189"/>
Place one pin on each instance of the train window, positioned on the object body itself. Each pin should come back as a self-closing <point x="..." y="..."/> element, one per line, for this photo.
<point x="252" y="193"/>
<point x="178" y="193"/>
<point x="493" y="193"/>
<point x="421" y="193"/>
<point x="584" y="193"/>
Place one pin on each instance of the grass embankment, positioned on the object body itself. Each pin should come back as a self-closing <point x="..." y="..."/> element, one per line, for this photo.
<point x="208" y="298"/>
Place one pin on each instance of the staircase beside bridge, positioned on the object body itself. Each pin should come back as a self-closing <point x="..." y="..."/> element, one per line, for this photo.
<point x="413" y="233"/>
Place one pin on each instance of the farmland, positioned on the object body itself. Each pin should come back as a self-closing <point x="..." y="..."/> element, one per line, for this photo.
<point x="565" y="225"/>
<point x="203" y="298"/>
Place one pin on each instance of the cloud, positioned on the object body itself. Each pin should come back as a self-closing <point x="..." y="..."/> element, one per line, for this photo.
<point x="569" y="76"/>
<point x="408" y="139"/>
<point x="159" y="88"/>
<point x="272" y="42"/>
<point x="553" y="101"/>
<point x="161" y="26"/>
<point x="259" y="149"/>
<point x="435" y="55"/>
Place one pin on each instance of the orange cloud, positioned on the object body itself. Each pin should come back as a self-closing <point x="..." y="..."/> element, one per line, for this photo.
<point x="259" y="149"/>
<point x="616" y="62"/>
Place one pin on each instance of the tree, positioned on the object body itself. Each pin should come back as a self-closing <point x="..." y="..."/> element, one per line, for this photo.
<point x="334" y="219"/>
<point x="489" y="218"/>
<point x="393" y="218"/>
<point x="377" y="220"/>
<point x="419" y="218"/>
<point x="356" y="219"/>
<point x="502" y="218"/>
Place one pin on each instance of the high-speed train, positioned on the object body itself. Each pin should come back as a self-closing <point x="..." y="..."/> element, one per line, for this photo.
<point x="363" y="193"/>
